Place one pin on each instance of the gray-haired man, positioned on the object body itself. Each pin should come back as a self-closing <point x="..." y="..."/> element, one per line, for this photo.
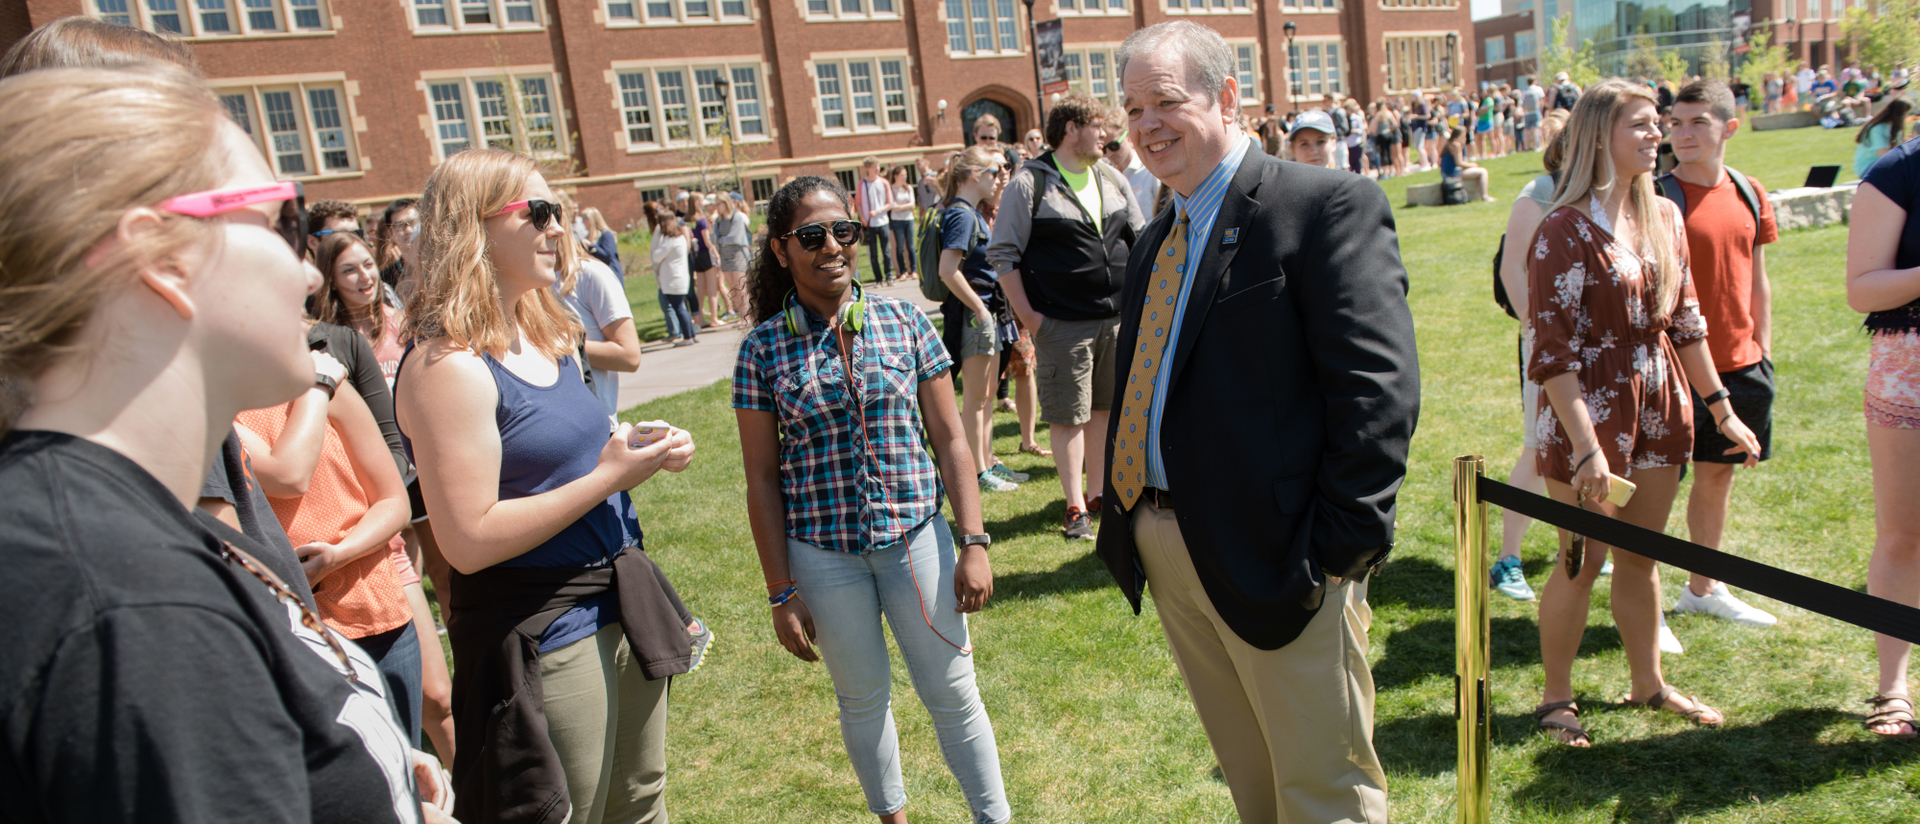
<point x="1258" y="551"/>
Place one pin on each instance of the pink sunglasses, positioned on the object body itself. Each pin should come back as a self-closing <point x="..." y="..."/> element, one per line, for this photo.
<point x="292" y="224"/>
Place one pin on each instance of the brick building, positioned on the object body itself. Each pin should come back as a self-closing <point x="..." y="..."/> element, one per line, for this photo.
<point x="1507" y="48"/>
<point x="628" y="99"/>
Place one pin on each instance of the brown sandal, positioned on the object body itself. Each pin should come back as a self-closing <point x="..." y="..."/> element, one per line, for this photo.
<point x="1666" y="693"/>
<point x="1883" y="715"/>
<point x="1034" y="449"/>
<point x="1578" y="733"/>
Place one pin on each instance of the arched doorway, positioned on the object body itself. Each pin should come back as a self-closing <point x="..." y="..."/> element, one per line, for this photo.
<point x="1009" y="129"/>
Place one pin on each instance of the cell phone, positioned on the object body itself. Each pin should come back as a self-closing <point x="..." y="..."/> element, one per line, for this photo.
<point x="1621" y="491"/>
<point x="643" y="435"/>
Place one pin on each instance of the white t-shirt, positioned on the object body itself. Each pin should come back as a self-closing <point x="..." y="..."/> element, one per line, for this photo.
<point x="1533" y="97"/>
<point x="670" y="264"/>
<point x="1803" y="80"/>
<point x="1146" y="187"/>
<point x="599" y="301"/>
<point x="876" y="195"/>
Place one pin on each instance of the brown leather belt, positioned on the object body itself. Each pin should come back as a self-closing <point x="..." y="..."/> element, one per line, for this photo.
<point x="1158" y="497"/>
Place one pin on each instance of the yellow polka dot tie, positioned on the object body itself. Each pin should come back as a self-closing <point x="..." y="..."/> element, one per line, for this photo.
<point x="1155" y="338"/>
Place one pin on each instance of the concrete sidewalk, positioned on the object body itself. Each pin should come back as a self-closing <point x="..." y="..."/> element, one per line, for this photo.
<point x="666" y="370"/>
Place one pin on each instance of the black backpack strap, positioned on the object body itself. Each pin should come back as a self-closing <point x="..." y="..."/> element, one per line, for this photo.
<point x="1669" y="187"/>
<point x="1744" y="186"/>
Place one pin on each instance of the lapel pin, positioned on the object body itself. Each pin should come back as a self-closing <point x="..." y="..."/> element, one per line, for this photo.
<point x="1232" y="236"/>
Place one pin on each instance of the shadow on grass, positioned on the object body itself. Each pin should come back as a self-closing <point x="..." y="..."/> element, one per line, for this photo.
<point x="1701" y="770"/>
<point x="1413" y="582"/>
<point x="1425" y="650"/>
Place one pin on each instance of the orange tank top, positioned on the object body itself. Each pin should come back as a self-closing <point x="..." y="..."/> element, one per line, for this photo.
<point x="364" y="597"/>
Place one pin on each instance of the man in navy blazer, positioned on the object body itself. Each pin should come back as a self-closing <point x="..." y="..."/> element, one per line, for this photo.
<point x="1259" y="434"/>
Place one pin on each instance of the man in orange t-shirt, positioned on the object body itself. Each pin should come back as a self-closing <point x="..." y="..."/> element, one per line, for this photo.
<point x="1724" y="238"/>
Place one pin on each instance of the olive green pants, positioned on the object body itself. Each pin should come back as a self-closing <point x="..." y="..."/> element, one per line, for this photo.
<point x="609" y="725"/>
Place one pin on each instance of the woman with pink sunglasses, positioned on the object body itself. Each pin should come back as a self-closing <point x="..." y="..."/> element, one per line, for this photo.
<point x="166" y="671"/>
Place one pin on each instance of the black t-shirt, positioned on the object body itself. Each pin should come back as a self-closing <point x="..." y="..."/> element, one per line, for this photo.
<point x="231" y="479"/>
<point x="353" y="351"/>
<point x="145" y="678"/>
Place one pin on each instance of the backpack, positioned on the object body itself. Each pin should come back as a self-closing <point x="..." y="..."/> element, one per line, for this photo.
<point x="1341" y="127"/>
<point x="1669" y="187"/>
<point x="1500" y="295"/>
<point x="1565" y="95"/>
<point x="931" y="286"/>
<point x="1452" y="193"/>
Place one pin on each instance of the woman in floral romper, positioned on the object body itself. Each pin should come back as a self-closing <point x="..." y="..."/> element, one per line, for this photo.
<point x="1613" y="324"/>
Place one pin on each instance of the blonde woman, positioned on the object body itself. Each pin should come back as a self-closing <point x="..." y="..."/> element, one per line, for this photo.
<point x="528" y="492"/>
<point x="602" y="241"/>
<point x="174" y="675"/>
<point x="1616" y="336"/>
<point x="736" y="250"/>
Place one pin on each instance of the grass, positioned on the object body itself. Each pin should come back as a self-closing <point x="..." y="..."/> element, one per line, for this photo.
<point x="1094" y="725"/>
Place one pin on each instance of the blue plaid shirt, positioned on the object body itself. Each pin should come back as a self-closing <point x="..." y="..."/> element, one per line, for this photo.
<point x="844" y="488"/>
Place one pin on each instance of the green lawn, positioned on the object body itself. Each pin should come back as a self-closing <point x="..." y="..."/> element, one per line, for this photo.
<point x="1094" y="725"/>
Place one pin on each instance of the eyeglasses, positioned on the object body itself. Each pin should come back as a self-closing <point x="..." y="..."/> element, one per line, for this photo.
<point x="291" y="223"/>
<point x="541" y="212"/>
<point x="813" y="236"/>
<point x="1111" y="147"/>
<point x="355" y="232"/>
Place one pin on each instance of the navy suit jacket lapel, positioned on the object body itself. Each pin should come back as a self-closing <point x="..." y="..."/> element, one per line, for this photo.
<point x="1237" y="209"/>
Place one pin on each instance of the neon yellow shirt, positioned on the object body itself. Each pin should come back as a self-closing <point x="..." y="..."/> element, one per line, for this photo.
<point x="1086" y="189"/>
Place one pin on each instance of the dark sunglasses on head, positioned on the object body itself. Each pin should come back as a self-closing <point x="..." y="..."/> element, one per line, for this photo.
<point x="541" y="212"/>
<point x="813" y="236"/>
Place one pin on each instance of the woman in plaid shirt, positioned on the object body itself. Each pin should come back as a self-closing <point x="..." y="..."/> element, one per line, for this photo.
<point x="845" y="498"/>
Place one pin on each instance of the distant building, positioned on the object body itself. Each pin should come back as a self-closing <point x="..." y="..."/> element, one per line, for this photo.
<point x="1507" y="48"/>
<point x="625" y="100"/>
<point x="1697" y="31"/>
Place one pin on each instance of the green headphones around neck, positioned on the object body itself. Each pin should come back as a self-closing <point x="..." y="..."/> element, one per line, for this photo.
<point x="852" y="314"/>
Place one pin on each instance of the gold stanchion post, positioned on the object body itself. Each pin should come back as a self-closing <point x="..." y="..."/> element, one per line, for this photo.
<point x="1471" y="693"/>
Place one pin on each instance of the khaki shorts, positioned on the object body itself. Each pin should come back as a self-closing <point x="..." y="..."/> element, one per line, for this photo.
<point x="1075" y="362"/>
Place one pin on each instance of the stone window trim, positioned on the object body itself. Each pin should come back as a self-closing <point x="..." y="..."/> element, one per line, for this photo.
<point x="647" y="94"/>
<point x="837" y="11"/>
<point x="523" y="127"/>
<point x="205" y="21"/>
<point x="306" y="126"/>
<point x="831" y="66"/>
<point x="439" y="18"/>
<point x="642" y="14"/>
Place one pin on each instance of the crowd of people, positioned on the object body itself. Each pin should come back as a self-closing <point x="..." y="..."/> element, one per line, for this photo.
<point x="296" y="423"/>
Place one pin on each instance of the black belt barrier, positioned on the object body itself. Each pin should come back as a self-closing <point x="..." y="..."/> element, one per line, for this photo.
<point x="1811" y="594"/>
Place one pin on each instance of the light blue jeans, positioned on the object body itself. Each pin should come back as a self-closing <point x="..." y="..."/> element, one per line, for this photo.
<point x="911" y="583"/>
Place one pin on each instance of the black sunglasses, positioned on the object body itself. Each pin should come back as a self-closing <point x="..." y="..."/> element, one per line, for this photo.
<point x="1111" y="147"/>
<point x="540" y="212"/>
<point x="292" y="224"/>
<point x="813" y="236"/>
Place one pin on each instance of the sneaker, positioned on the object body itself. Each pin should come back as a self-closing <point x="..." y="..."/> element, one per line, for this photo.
<point x="702" y="642"/>
<point x="1509" y="580"/>
<point x="1079" y="526"/>
<point x="1668" y="643"/>
<point x="1720" y="603"/>
<point x="1001" y="470"/>
<point x="990" y="482"/>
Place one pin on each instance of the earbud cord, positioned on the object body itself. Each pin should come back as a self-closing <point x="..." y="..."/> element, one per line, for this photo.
<point x="860" y="414"/>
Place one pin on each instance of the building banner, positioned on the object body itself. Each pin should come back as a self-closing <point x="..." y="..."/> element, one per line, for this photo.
<point x="1051" y="48"/>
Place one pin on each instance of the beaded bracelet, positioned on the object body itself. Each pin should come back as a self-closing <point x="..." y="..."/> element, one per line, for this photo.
<point x="784" y="596"/>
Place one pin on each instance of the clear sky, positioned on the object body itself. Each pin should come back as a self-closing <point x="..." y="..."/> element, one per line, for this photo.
<point x="1485" y="8"/>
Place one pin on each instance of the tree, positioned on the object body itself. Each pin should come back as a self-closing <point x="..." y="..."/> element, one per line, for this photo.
<point x="1763" y="59"/>
<point x="1562" y="56"/>
<point x="1713" y="64"/>
<point x="1654" y="63"/>
<point x="1885" y="37"/>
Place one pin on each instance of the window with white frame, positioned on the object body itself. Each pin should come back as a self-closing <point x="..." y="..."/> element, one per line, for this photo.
<point x="1209" y="7"/>
<point x="464" y="15"/>
<point x="1246" y="71"/>
<point x="981" y="27"/>
<point x="304" y="129"/>
<point x="1072" y="8"/>
<point x="676" y="12"/>
<point x="1420" y="4"/>
<point x="861" y="94"/>
<point x="664" y="105"/>
<point x="851" y="9"/>
<point x="1413" y="62"/>
<point x="1315" y="66"/>
<point x="1309" y="5"/>
<point x="513" y="110"/>
<point x="214" y="18"/>
<point x="1091" y="70"/>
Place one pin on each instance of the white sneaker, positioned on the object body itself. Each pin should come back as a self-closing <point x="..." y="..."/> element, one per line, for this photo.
<point x="1720" y="603"/>
<point x="1668" y="643"/>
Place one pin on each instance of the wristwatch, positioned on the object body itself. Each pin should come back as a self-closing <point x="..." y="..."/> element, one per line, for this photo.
<point x="327" y="382"/>
<point x="982" y="540"/>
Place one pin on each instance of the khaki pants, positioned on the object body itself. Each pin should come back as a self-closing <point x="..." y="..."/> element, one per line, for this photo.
<point x="609" y="725"/>
<point x="1292" y="727"/>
